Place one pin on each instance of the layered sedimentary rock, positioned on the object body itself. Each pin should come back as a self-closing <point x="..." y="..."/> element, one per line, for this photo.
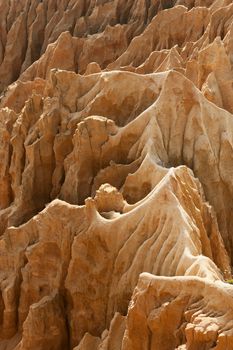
<point x="116" y="192"/>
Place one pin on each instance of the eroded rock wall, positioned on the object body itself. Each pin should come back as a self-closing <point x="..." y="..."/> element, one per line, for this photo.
<point x="116" y="190"/>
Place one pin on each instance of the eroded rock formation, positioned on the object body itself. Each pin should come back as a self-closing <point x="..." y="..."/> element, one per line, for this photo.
<point x="116" y="163"/>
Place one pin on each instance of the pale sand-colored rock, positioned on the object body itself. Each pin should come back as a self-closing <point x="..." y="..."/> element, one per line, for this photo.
<point x="171" y="313"/>
<point x="94" y="266"/>
<point x="139" y="154"/>
<point x="116" y="128"/>
<point x="185" y="300"/>
<point x="28" y="27"/>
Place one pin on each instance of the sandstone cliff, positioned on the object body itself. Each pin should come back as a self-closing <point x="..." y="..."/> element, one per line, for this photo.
<point x="116" y="163"/>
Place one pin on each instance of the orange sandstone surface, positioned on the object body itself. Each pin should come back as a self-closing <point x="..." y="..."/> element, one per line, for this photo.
<point x="116" y="174"/>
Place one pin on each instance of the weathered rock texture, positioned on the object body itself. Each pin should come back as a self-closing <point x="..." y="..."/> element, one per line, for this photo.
<point x="116" y="163"/>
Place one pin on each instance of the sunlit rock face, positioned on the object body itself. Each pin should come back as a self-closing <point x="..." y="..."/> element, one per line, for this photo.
<point x="116" y="164"/>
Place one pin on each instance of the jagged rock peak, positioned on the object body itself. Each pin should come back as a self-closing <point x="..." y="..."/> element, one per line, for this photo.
<point x="116" y="163"/>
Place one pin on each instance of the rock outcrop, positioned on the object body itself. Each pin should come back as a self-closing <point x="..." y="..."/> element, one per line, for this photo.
<point x="116" y="162"/>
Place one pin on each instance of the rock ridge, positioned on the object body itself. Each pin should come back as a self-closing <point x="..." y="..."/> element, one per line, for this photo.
<point x="116" y="192"/>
